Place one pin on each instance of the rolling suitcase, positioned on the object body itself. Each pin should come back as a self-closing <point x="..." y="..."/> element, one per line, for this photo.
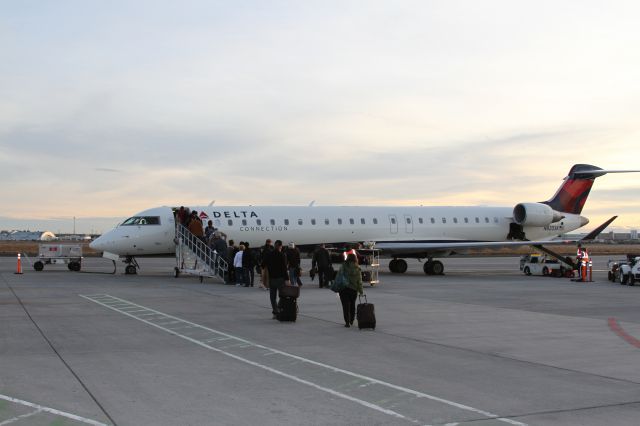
<point x="365" y="314"/>
<point x="287" y="309"/>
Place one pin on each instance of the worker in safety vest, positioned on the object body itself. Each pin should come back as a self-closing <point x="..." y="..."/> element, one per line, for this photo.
<point x="579" y="256"/>
<point x="584" y="265"/>
<point x="351" y="251"/>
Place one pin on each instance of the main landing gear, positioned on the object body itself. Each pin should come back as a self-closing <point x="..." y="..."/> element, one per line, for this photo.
<point x="398" y="266"/>
<point x="132" y="265"/>
<point x="431" y="267"/>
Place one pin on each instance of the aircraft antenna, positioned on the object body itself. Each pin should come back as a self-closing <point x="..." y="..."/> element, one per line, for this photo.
<point x="312" y="203"/>
<point x="212" y="202"/>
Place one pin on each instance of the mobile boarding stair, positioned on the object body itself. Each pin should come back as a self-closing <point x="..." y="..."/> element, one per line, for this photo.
<point x="194" y="257"/>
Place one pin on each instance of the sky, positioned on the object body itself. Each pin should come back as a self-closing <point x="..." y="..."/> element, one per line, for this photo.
<point x="110" y="108"/>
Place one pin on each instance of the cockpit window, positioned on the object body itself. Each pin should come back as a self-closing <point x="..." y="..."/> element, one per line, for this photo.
<point x="142" y="220"/>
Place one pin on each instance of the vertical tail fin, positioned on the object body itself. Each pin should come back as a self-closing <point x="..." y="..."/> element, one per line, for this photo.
<point x="575" y="189"/>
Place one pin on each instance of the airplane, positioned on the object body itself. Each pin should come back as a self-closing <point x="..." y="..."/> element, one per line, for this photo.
<point x="399" y="232"/>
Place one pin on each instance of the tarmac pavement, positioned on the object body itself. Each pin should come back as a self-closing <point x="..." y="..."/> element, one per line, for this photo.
<point x="481" y="345"/>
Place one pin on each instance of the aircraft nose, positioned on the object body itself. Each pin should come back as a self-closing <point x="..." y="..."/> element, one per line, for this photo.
<point x="98" y="244"/>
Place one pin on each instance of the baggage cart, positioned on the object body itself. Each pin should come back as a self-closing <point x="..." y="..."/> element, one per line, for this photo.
<point x="51" y="254"/>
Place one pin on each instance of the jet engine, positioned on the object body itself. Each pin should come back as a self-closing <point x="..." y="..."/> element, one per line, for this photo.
<point x="535" y="214"/>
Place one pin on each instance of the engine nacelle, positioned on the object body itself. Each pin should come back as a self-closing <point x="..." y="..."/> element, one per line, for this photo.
<point x="535" y="214"/>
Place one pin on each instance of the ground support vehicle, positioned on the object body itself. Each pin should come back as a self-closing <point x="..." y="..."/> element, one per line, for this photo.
<point x="629" y="272"/>
<point x="69" y="254"/>
<point x="540" y="264"/>
<point x="613" y="269"/>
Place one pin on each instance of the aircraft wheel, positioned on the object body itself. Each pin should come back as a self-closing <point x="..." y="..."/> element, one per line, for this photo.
<point x="130" y="270"/>
<point x="401" y="266"/>
<point x="527" y="271"/>
<point x="201" y="279"/>
<point x="176" y="272"/>
<point x="437" y="267"/>
<point x="38" y="266"/>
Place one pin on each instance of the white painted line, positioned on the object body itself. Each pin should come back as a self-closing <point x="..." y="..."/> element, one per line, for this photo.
<point x="40" y="408"/>
<point x="309" y="361"/>
<point x="17" y="419"/>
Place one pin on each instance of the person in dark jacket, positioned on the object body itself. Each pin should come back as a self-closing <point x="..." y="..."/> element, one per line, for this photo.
<point x="248" y="262"/>
<point x="349" y="294"/>
<point x="293" y="258"/>
<point x="219" y="247"/>
<point x="275" y="263"/>
<point x="264" y="251"/>
<point x="231" y="254"/>
<point x="181" y="216"/>
<point x="208" y="232"/>
<point x="321" y="262"/>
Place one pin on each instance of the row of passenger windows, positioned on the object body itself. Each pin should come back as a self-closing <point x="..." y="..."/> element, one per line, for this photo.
<point x="363" y="221"/>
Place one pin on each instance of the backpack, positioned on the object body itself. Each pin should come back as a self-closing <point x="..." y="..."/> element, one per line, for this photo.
<point x="340" y="281"/>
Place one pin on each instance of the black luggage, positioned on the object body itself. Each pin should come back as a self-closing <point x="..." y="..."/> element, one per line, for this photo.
<point x="365" y="314"/>
<point x="287" y="309"/>
<point x="331" y="273"/>
<point x="289" y="291"/>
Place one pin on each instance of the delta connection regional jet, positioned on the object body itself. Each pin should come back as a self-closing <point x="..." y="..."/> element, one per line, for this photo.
<point x="399" y="232"/>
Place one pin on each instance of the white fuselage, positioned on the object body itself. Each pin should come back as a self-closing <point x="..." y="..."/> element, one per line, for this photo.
<point x="316" y="224"/>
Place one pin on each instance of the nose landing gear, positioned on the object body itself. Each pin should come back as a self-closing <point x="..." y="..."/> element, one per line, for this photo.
<point x="132" y="266"/>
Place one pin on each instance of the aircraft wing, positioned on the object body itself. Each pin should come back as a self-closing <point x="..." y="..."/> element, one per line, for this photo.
<point x="453" y="245"/>
<point x="425" y="247"/>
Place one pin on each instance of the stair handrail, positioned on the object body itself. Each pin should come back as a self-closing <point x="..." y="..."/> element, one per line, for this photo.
<point x="216" y="262"/>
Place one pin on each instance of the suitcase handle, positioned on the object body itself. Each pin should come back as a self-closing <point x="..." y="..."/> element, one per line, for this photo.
<point x="360" y="298"/>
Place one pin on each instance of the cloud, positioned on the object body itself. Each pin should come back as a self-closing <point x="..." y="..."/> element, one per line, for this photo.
<point x="411" y="103"/>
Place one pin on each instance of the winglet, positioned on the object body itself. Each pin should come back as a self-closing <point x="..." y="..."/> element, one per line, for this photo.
<point x="593" y="234"/>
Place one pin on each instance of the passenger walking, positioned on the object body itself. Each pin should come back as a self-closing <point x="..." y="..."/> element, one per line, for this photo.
<point x="219" y="248"/>
<point x="264" y="274"/>
<point x="275" y="262"/>
<point x="182" y="216"/>
<point x="195" y="226"/>
<point x="321" y="262"/>
<point x="231" y="253"/>
<point x="237" y="263"/>
<point x="208" y="232"/>
<point x="353" y="287"/>
<point x="293" y="259"/>
<point x="248" y="263"/>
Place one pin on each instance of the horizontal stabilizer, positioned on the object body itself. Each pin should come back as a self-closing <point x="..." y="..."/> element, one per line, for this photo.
<point x="593" y="234"/>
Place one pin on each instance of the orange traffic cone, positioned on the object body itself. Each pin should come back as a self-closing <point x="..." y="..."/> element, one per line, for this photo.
<point x="19" y="265"/>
